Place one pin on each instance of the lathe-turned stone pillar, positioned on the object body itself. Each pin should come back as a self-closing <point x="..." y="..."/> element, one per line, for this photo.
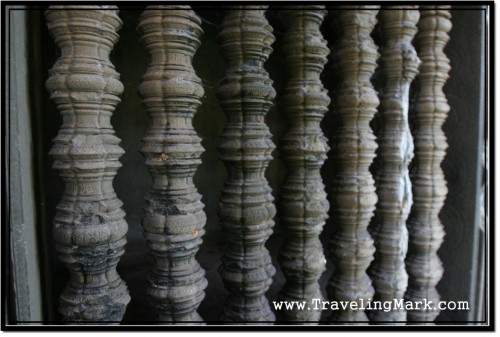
<point x="399" y="63"/>
<point x="173" y="219"/>
<point x="429" y="185"/>
<point x="353" y="147"/>
<point x="304" y="205"/>
<point x="89" y="227"/>
<point x="246" y="206"/>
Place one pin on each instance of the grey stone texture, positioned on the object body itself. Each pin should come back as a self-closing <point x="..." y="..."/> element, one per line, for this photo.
<point x="89" y="227"/>
<point x="173" y="219"/>
<point x="353" y="197"/>
<point x="429" y="113"/>
<point x="399" y="66"/>
<point x="304" y="205"/>
<point x="246" y="205"/>
<point x="173" y="151"/>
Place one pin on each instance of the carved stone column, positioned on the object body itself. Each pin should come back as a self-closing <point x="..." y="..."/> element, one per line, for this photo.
<point x="89" y="226"/>
<point x="246" y="208"/>
<point x="429" y="186"/>
<point x="304" y="204"/>
<point x="353" y="198"/>
<point x="173" y="216"/>
<point x="399" y="64"/>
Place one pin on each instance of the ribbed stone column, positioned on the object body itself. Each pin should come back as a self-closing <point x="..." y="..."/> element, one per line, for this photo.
<point x="429" y="185"/>
<point x="399" y="63"/>
<point x="89" y="227"/>
<point x="173" y="215"/>
<point x="246" y="206"/>
<point x="304" y="206"/>
<point x="353" y="196"/>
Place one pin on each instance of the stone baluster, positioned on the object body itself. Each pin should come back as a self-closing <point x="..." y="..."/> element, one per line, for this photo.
<point x="304" y="206"/>
<point x="173" y="218"/>
<point x="429" y="185"/>
<point x="353" y="198"/>
<point x="89" y="227"/>
<point x="399" y="63"/>
<point x="246" y="206"/>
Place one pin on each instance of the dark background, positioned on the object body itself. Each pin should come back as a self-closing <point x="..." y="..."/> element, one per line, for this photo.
<point x="464" y="129"/>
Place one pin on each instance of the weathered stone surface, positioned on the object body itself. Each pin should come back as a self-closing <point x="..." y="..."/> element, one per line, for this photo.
<point x="89" y="226"/>
<point x="399" y="63"/>
<point x="304" y="205"/>
<point x="173" y="219"/>
<point x="353" y="197"/>
<point x="246" y="207"/>
<point x="429" y="185"/>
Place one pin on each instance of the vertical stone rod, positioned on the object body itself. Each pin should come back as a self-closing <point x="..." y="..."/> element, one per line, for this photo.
<point x="399" y="63"/>
<point x="89" y="227"/>
<point x="246" y="206"/>
<point x="304" y="205"/>
<point x="429" y="185"/>
<point x="173" y="219"/>
<point x="353" y="198"/>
